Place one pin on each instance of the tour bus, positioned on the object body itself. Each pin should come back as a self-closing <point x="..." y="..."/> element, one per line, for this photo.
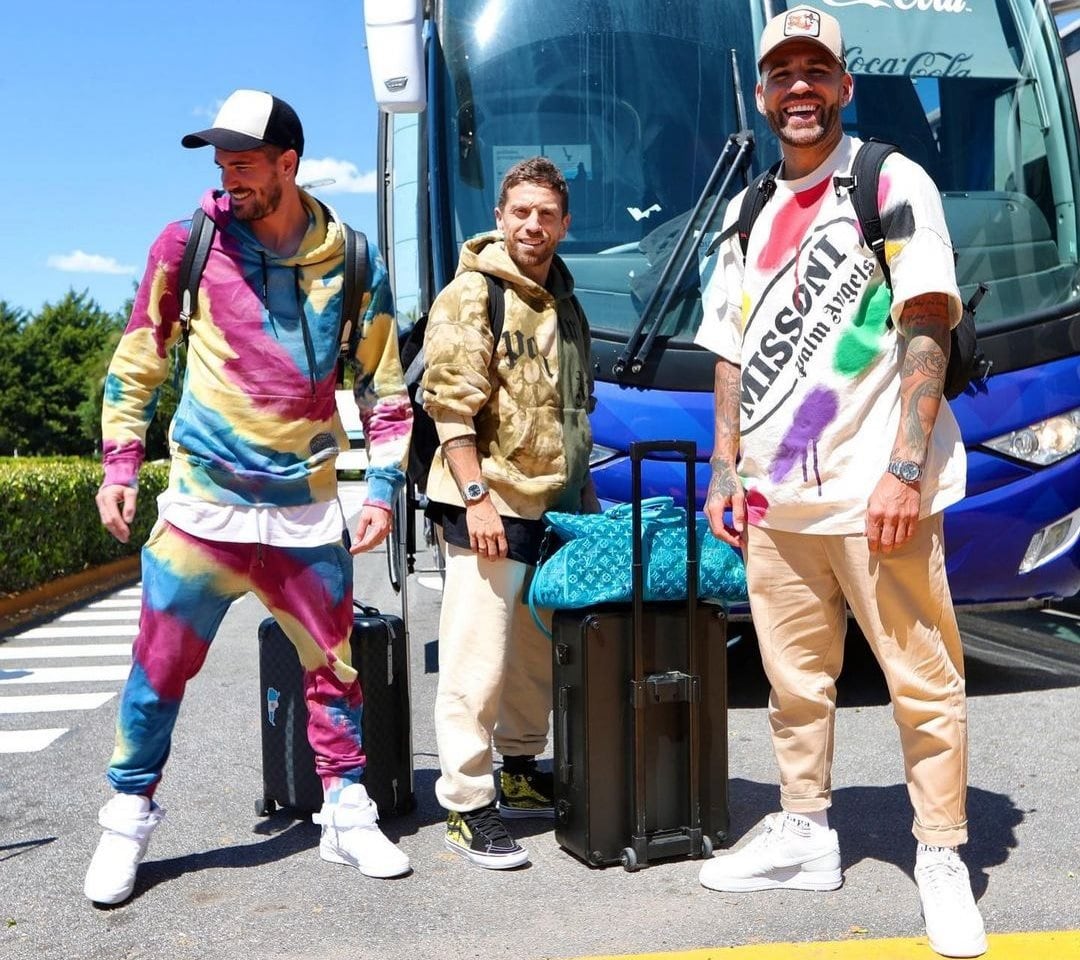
<point x="648" y="108"/>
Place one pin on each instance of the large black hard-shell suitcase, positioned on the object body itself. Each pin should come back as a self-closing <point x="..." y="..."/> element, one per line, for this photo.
<point x="640" y="702"/>
<point x="379" y="654"/>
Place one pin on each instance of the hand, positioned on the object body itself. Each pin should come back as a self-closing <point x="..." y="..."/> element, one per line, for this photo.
<point x="726" y="490"/>
<point x="892" y="514"/>
<point x="371" y="528"/>
<point x="487" y="536"/>
<point x="116" y="506"/>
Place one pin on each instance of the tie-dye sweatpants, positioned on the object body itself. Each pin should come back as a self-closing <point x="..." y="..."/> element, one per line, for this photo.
<point x="188" y="585"/>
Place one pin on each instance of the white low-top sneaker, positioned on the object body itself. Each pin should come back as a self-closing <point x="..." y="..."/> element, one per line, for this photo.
<point x="954" y="925"/>
<point x="351" y="835"/>
<point x="129" y="820"/>
<point x="789" y="854"/>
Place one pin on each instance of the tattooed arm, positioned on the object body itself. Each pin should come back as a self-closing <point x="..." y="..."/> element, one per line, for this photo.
<point x="893" y="510"/>
<point x="725" y="487"/>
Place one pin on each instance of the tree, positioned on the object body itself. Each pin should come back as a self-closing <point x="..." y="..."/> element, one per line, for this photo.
<point x="54" y="355"/>
<point x="157" y="434"/>
<point x="11" y="322"/>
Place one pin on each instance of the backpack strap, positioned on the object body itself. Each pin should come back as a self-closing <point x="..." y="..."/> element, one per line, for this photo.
<point x="496" y="306"/>
<point x="354" y="282"/>
<point x="192" y="264"/>
<point x="757" y="195"/>
<point x="862" y="187"/>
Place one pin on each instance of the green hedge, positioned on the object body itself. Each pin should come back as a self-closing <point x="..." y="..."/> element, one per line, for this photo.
<point x="49" y="523"/>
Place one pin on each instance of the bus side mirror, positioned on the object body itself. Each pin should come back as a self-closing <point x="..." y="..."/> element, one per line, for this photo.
<point x="395" y="45"/>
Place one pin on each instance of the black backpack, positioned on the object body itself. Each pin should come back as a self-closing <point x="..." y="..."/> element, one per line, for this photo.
<point x="193" y="262"/>
<point x="966" y="361"/>
<point x="425" y="439"/>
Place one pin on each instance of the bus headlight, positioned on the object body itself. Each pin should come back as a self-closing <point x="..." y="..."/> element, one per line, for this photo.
<point x="601" y="454"/>
<point x="1051" y="542"/>
<point x="1044" y="442"/>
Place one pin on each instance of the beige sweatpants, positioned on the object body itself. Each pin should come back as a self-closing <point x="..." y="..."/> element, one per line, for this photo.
<point x="797" y="585"/>
<point x="494" y="676"/>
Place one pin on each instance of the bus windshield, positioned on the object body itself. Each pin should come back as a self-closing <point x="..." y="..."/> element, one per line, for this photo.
<point x="635" y="99"/>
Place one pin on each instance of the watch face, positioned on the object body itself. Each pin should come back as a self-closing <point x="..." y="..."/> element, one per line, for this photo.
<point x="907" y="470"/>
<point x="474" y="491"/>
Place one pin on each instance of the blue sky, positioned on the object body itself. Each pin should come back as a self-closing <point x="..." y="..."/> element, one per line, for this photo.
<point x="94" y="98"/>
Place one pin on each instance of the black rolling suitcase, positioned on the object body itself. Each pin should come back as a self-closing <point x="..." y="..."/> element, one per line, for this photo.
<point x="380" y="656"/>
<point x="640" y="701"/>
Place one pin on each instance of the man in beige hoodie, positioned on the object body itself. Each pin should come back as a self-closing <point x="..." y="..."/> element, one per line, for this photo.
<point x="512" y="421"/>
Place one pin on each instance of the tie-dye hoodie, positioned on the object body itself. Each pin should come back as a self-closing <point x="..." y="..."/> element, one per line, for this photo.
<point x="257" y="422"/>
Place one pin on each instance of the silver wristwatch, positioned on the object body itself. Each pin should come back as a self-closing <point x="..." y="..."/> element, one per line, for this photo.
<point x="906" y="471"/>
<point x="474" y="492"/>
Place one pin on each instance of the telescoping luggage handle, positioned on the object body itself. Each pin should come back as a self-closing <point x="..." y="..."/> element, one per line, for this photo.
<point x="689" y="683"/>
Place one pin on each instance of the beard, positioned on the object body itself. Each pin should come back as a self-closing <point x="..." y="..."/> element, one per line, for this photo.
<point x="803" y="136"/>
<point x="260" y="204"/>
<point x="528" y="256"/>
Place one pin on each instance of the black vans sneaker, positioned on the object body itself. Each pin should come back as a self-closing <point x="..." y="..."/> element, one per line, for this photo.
<point x="481" y="837"/>
<point x="526" y="791"/>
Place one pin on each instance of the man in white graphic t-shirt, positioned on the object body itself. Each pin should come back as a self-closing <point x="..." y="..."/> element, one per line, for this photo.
<point x="836" y="455"/>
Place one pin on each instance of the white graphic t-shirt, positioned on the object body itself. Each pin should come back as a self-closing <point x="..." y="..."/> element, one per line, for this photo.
<point x="807" y="321"/>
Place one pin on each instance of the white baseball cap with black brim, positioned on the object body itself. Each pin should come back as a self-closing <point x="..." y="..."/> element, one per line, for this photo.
<point x="250" y="119"/>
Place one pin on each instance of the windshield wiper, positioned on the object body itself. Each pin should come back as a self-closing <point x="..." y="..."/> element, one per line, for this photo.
<point x="735" y="157"/>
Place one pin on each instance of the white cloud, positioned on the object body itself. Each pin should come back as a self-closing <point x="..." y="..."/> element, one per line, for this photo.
<point x="347" y="178"/>
<point x="80" y="262"/>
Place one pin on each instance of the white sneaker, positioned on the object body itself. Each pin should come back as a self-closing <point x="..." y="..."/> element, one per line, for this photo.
<point x="790" y="854"/>
<point x="351" y="835"/>
<point x="128" y="819"/>
<point x="954" y="925"/>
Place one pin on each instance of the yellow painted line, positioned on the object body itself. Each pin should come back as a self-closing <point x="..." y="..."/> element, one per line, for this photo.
<point x="1052" y="945"/>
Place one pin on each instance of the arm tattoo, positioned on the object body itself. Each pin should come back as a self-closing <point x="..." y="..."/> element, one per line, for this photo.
<point x="728" y="385"/>
<point x="925" y="323"/>
<point x="726" y="390"/>
<point x="724" y="481"/>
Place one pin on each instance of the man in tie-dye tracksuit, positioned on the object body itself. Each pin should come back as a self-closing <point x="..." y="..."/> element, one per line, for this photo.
<point x="837" y="455"/>
<point x="252" y="498"/>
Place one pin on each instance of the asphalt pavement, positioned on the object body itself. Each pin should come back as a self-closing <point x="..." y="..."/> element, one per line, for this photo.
<point x="221" y="882"/>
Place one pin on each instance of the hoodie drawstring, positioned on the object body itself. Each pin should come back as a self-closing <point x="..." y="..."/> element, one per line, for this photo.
<point x="309" y="345"/>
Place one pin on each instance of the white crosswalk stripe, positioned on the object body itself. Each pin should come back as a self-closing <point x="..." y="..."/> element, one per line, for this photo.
<point x="54" y="702"/>
<point x="67" y="650"/>
<point x="9" y="676"/>
<point x="94" y="634"/>
<point x="78" y="633"/>
<point x="89" y="616"/>
<point x="28" y="741"/>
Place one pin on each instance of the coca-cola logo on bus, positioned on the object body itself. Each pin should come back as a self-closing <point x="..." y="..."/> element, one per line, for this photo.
<point x="938" y="6"/>
<point x="924" y="63"/>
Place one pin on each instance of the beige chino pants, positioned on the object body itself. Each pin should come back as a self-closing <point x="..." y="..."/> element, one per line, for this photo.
<point x="494" y="676"/>
<point x="797" y="585"/>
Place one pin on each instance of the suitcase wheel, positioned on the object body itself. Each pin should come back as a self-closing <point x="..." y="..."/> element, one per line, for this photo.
<point x="706" y="846"/>
<point x="264" y="807"/>
<point x="629" y="860"/>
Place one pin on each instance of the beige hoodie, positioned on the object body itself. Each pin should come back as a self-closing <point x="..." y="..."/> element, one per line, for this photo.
<point x="528" y="405"/>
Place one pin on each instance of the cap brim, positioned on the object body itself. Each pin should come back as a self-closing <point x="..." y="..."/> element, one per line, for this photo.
<point x="223" y="139"/>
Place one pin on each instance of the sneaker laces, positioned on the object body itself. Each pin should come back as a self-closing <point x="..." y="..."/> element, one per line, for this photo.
<point x="488" y="824"/>
<point x="941" y="871"/>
